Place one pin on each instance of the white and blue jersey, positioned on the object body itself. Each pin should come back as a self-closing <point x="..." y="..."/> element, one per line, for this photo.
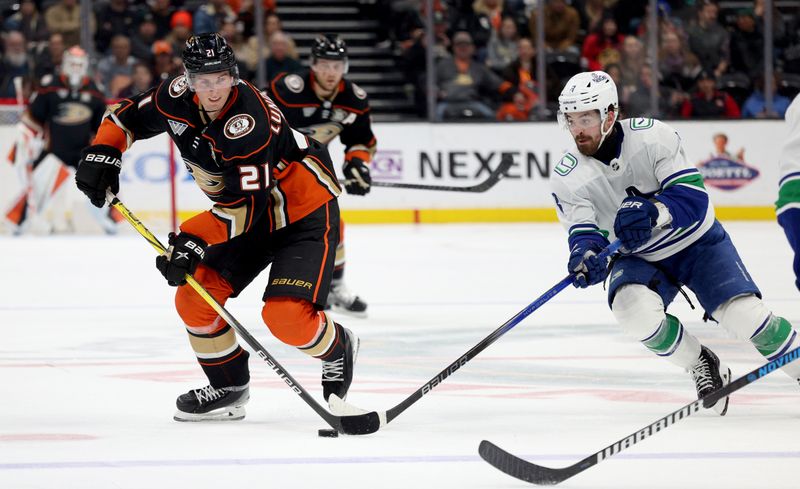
<point x="650" y="162"/>
<point x="688" y="247"/>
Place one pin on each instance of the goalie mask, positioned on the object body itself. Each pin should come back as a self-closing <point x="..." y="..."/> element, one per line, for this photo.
<point x="75" y="66"/>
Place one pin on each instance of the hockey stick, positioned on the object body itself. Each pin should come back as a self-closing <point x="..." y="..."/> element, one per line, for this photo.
<point x="339" y="406"/>
<point x="537" y="474"/>
<point x="495" y="176"/>
<point x="360" y="424"/>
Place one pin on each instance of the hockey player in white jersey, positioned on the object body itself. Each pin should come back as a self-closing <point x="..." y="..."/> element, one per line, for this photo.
<point x="788" y="204"/>
<point x="630" y="180"/>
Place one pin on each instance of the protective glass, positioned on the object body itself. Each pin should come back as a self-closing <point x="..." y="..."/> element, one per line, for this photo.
<point x="579" y="122"/>
<point x="206" y="82"/>
<point x="336" y="67"/>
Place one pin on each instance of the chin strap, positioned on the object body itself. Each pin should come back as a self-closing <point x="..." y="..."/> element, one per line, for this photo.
<point x="603" y="134"/>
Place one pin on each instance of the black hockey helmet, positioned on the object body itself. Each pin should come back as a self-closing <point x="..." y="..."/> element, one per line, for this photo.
<point x="209" y="53"/>
<point x="329" y="46"/>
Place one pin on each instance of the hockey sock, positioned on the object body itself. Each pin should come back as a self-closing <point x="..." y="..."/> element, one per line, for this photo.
<point x="674" y="343"/>
<point x="775" y="337"/>
<point x="328" y="341"/>
<point x="222" y="359"/>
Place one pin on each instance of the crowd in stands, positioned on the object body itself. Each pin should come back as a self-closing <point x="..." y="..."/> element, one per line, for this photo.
<point x="709" y="61"/>
<point x="710" y="57"/>
<point x="136" y="44"/>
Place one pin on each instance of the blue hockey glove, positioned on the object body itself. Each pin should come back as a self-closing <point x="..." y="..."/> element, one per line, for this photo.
<point x="587" y="267"/>
<point x="634" y="223"/>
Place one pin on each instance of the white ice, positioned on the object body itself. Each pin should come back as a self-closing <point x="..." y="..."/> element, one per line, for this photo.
<point x="92" y="356"/>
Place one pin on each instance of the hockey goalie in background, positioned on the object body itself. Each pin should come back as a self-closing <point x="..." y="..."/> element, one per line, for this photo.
<point x="59" y="122"/>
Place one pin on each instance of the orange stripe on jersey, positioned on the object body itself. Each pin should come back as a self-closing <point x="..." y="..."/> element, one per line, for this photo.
<point x="17" y="211"/>
<point x="351" y="109"/>
<point x="266" y="111"/>
<point x="278" y="96"/>
<point x="361" y="154"/>
<point x="155" y="99"/>
<point x="303" y="192"/>
<point x="112" y="135"/>
<point x="207" y="227"/>
<point x="325" y="255"/>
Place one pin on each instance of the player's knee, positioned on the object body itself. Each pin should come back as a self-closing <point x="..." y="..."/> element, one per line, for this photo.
<point x="293" y="321"/>
<point x="195" y="312"/>
<point x="742" y="316"/>
<point x="638" y="310"/>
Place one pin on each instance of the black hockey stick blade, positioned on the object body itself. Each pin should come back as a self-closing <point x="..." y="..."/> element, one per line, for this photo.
<point x="495" y="176"/>
<point x="538" y="474"/>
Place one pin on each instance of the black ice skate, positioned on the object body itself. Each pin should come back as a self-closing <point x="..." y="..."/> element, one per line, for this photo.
<point x="210" y="404"/>
<point x="341" y="300"/>
<point x="709" y="375"/>
<point x="337" y="373"/>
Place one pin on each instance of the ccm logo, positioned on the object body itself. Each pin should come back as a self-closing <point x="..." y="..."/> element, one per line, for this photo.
<point x="99" y="158"/>
<point x="630" y="205"/>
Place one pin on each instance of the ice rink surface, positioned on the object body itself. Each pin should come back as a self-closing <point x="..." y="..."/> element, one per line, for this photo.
<point x="93" y="355"/>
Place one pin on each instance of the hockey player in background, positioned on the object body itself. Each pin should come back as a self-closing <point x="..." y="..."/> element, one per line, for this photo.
<point x="59" y="122"/>
<point x="630" y="180"/>
<point x="274" y="192"/>
<point x="788" y="204"/>
<point x="324" y="105"/>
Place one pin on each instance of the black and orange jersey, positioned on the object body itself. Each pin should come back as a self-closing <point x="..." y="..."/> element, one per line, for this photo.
<point x="256" y="169"/>
<point x="67" y="117"/>
<point x="345" y="115"/>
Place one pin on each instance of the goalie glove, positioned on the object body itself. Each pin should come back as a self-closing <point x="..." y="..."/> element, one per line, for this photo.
<point x="185" y="252"/>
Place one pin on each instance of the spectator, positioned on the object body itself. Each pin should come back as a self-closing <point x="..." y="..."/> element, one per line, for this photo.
<point x="234" y="39"/>
<point x="708" y="40"/>
<point x="142" y="41"/>
<point x="115" y="17"/>
<point x="142" y="80"/>
<point x="47" y="60"/>
<point x="464" y="83"/>
<point x="250" y="56"/>
<point x="14" y="65"/>
<point x="210" y="16"/>
<point x="181" y="30"/>
<point x="484" y="18"/>
<point x="602" y="46"/>
<point x="64" y="17"/>
<point x="747" y="45"/>
<point x="165" y="64"/>
<point x="629" y="14"/>
<point x="592" y="13"/>
<point x="637" y="101"/>
<point x="502" y="48"/>
<point x="29" y="22"/>
<point x="708" y="102"/>
<point x="720" y="141"/>
<point x="245" y="15"/>
<point x="679" y="67"/>
<point x="633" y="57"/>
<point x="413" y="61"/>
<point x="756" y="104"/>
<point x="561" y="23"/>
<point x="114" y="71"/>
<point x="521" y="74"/>
<point x="162" y="11"/>
<point x="279" y="60"/>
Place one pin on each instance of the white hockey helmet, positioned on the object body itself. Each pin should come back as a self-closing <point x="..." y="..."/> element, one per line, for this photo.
<point x="75" y="66"/>
<point x="590" y="90"/>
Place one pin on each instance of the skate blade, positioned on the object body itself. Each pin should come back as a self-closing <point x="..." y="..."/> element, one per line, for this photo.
<point x="235" y="413"/>
<point x="721" y="406"/>
<point x="347" y="312"/>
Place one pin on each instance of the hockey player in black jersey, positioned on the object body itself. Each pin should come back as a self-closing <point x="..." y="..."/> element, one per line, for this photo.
<point x="274" y="204"/>
<point x="62" y="118"/>
<point x="324" y="104"/>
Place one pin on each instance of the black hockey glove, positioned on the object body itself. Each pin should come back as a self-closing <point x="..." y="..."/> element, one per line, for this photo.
<point x="585" y="264"/>
<point x="185" y="252"/>
<point x="356" y="176"/>
<point x="636" y="218"/>
<point x="98" y="170"/>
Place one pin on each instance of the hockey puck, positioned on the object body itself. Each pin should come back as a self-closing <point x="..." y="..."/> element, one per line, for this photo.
<point x="328" y="433"/>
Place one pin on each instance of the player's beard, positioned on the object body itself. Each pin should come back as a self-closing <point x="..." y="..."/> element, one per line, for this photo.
<point x="587" y="145"/>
